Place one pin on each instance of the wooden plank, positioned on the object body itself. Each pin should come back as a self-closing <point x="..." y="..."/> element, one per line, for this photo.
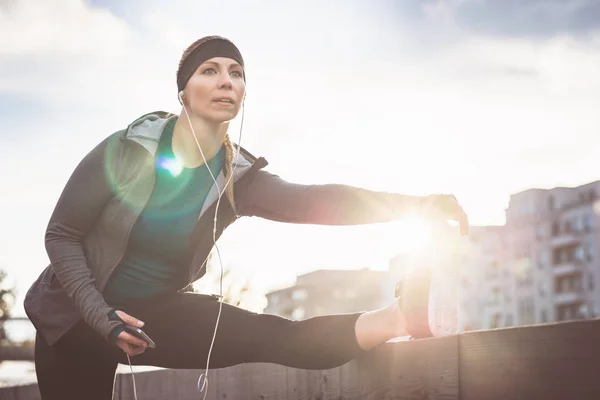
<point x="417" y="369"/>
<point x="324" y="384"/>
<point x="165" y="384"/>
<point x="297" y="384"/>
<point x="258" y="381"/>
<point x="16" y="353"/>
<point x="20" y="392"/>
<point x="551" y="361"/>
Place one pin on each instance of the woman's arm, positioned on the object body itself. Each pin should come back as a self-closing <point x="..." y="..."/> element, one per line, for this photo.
<point x="273" y="198"/>
<point x="78" y="207"/>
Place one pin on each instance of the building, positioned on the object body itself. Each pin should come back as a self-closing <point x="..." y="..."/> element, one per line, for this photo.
<point x="541" y="266"/>
<point x="485" y="284"/>
<point x="329" y="291"/>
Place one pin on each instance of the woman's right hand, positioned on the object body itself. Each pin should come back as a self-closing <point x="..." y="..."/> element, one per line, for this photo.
<point x="130" y="344"/>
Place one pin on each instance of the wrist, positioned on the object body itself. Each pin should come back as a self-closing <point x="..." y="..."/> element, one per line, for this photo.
<point x="114" y="333"/>
<point x="423" y="205"/>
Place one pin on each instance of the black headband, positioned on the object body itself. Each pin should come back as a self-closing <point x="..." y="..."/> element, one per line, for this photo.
<point x="217" y="47"/>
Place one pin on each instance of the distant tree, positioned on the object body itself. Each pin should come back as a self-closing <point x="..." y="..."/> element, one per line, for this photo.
<point x="237" y="288"/>
<point x="7" y="299"/>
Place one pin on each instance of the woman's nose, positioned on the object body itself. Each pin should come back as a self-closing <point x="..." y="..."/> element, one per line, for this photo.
<point x="225" y="81"/>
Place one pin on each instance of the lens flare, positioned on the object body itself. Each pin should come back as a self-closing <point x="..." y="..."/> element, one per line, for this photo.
<point x="170" y="164"/>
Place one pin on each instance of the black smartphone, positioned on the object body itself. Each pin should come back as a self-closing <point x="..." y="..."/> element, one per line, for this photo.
<point x="137" y="332"/>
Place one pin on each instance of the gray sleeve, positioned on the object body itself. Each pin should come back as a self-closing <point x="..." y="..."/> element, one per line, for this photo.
<point x="273" y="198"/>
<point x="80" y="204"/>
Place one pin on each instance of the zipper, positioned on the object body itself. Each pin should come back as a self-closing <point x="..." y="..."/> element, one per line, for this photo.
<point x="257" y="164"/>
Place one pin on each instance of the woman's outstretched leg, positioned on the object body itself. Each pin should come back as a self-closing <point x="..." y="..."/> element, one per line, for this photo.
<point x="182" y="326"/>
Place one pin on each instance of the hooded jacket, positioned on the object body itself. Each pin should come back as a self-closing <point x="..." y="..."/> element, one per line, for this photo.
<point x="88" y="232"/>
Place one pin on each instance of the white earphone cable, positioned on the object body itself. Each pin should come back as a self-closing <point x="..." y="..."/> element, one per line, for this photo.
<point x="204" y="386"/>
<point x="220" y="194"/>
<point x="132" y="377"/>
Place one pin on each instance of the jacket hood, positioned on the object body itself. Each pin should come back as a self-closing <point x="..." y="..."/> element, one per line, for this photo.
<point x="148" y="129"/>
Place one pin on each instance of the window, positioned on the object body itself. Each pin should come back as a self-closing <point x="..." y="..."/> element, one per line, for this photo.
<point x="567" y="283"/>
<point x="524" y="273"/>
<point x="543" y="258"/>
<point x="495" y="323"/>
<point x="539" y="232"/>
<point x="568" y="226"/>
<point x="544" y="316"/>
<point x="550" y="203"/>
<point x="298" y="313"/>
<point x="567" y="254"/>
<point x="555" y="228"/>
<point x="496" y="296"/>
<point x="492" y="272"/>
<point x="299" y="294"/>
<point x="586" y="222"/>
<point x="526" y="311"/>
<point x="568" y="311"/>
<point x="542" y="289"/>
<point x="589" y="252"/>
<point x="578" y="224"/>
<point x="579" y="253"/>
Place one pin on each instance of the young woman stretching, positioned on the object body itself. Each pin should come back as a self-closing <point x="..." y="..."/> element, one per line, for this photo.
<point x="134" y="226"/>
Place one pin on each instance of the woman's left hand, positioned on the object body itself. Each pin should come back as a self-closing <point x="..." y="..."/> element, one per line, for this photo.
<point x="445" y="206"/>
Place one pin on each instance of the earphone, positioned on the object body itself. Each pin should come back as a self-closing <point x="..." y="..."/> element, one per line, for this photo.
<point x="236" y="154"/>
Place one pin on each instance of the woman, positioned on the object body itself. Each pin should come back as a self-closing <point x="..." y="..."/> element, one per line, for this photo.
<point x="134" y="226"/>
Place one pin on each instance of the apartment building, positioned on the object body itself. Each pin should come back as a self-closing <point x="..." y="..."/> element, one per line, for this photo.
<point x="543" y="265"/>
<point x="329" y="291"/>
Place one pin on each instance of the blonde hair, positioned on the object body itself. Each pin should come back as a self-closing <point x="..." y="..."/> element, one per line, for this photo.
<point x="229" y="171"/>
<point x="228" y="167"/>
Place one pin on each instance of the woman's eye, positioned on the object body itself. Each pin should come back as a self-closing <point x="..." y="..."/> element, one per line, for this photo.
<point x="209" y="70"/>
<point x="238" y="74"/>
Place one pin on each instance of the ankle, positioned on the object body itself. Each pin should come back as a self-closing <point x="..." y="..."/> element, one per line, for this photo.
<point x="397" y="320"/>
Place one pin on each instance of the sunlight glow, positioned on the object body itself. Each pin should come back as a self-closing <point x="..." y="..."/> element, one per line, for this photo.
<point x="416" y="234"/>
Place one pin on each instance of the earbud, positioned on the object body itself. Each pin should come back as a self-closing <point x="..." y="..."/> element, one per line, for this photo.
<point x="180" y="95"/>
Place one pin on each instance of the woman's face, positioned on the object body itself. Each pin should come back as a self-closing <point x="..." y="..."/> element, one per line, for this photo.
<point x="216" y="90"/>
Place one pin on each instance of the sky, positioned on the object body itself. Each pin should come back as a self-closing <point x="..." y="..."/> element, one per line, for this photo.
<point x="477" y="98"/>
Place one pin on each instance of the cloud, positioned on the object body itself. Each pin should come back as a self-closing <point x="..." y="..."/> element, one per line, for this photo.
<point x="46" y="48"/>
<point x="531" y="18"/>
<point x="534" y="18"/>
<point x="435" y="24"/>
<point x="62" y="27"/>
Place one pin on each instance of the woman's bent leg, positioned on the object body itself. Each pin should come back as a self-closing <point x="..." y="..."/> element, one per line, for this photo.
<point x="182" y="326"/>
<point x="75" y="368"/>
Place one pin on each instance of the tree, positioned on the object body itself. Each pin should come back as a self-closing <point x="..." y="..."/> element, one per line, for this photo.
<point x="7" y="299"/>
<point x="237" y="287"/>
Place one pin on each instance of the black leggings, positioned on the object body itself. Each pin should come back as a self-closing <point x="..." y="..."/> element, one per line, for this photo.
<point x="82" y="365"/>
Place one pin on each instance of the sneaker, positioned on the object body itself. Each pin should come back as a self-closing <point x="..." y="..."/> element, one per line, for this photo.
<point x="412" y="293"/>
<point x="428" y="304"/>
